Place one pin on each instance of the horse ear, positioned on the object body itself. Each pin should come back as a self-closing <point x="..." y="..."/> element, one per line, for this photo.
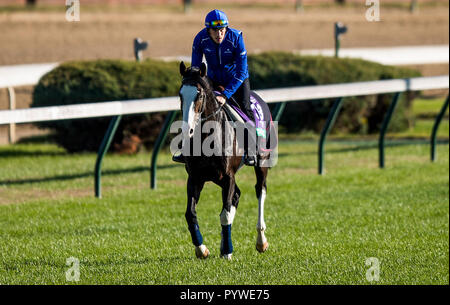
<point x="182" y="68"/>
<point x="202" y="69"/>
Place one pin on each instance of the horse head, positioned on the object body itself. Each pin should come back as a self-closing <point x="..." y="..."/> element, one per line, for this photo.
<point x="193" y="93"/>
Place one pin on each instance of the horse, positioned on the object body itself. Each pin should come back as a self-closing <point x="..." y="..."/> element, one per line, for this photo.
<point x="198" y="103"/>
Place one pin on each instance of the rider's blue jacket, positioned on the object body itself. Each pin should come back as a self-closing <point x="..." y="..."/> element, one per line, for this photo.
<point x="227" y="62"/>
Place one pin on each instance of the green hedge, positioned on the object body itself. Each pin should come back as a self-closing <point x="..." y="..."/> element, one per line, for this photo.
<point x="108" y="80"/>
<point x="358" y="114"/>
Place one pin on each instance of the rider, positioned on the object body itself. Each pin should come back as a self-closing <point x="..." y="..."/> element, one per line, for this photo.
<point x="226" y="57"/>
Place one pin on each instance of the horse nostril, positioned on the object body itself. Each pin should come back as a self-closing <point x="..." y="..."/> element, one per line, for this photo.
<point x="191" y="131"/>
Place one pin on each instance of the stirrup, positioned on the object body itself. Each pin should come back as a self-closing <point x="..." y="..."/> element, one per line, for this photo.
<point x="179" y="158"/>
<point x="249" y="160"/>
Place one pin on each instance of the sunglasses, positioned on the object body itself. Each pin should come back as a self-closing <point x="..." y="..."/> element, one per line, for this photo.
<point x="219" y="23"/>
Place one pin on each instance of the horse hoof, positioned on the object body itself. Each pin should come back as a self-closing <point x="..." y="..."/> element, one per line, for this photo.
<point x="226" y="256"/>
<point x="262" y="247"/>
<point x="201" y="252"/>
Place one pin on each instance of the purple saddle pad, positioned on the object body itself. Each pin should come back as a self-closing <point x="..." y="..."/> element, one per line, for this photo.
<point x="261" y="112"/>
<point x="261" y="115"/>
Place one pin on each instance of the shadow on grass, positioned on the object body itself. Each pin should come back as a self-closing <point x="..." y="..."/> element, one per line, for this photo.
<point x="363" y="145"/>
<point x="15" y="153"/>
<point x="22" y="150"/>
<point x="80" y="175"/>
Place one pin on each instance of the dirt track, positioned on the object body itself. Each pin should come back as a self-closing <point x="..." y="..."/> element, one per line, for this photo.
<point x="28" y="37"/>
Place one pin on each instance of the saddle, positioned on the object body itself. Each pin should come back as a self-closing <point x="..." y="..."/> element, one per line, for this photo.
<point x="263" y="118"/>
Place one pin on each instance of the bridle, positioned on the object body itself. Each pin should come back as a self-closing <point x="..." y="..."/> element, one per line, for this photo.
<point x="203" y="119"/>
<point x="212" y="114"/>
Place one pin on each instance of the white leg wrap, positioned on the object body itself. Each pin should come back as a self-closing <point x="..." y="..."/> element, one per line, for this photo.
<point x="226" y="218"/>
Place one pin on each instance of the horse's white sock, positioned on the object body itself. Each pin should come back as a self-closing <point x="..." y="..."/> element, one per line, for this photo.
<point x="226" y="218"/>
<point x="261" y="226"/>
<point x="202" y="248"/>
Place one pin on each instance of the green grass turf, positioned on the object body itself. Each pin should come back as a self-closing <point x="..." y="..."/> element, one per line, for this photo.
<point x="425" y="112"/>
<point x="321" y="229"/>
<point x="429" y="107"/>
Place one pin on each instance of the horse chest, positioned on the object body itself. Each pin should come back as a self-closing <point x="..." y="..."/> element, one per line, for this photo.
<point x="208" y="169"/>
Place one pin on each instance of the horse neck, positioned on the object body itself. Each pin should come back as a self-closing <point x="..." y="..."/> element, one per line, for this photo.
<point x="211" y="105"/>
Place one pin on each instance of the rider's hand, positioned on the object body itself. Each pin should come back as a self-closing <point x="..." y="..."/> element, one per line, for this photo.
<point x="221" y="99"/>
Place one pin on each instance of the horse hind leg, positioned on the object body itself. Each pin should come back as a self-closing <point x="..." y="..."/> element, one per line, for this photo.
<point x="261" y="191"/>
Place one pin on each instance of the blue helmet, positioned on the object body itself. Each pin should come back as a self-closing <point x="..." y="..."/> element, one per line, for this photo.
<point x="216" y="19"/>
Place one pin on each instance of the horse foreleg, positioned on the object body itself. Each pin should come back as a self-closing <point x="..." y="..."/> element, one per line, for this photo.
<point x="230" y="200"/>
<point x="194" y="187"/>
<point x="261" y="191"/>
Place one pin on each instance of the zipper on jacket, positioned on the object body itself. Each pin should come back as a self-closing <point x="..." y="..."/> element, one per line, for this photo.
<point x="219" y="54"/>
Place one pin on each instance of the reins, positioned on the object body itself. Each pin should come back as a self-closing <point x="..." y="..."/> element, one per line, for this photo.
<point x="212" y="114"/>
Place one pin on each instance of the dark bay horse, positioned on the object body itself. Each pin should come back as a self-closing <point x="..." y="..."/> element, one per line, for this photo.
<point x="199" y="105"/>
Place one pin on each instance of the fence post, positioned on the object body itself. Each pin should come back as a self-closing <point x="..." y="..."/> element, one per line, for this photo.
<point x="329" y="123"/>
<point x="413" y="7"/>
<point x="139" y="46"/>
<point x="158" y="144"/>
<point x="384" y="128"/>
<point x="298" y="6"/>
<point x="437" y="122"/>
<point x="106" y="142"/>
<point x="278" y="111"/>
<point x="187" y="6"/>
<point x="339" y="29"/>
<point x="12" y="106"/>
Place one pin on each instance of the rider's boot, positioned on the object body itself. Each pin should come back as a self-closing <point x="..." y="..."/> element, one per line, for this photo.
<point x="178" y="158"/>
<point x="249" y="160"/>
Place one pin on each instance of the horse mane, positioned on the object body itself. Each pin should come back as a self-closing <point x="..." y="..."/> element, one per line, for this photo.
<point x="193" y="76"/>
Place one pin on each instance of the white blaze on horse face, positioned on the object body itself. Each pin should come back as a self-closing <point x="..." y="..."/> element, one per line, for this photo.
<point x="190" y="118"/>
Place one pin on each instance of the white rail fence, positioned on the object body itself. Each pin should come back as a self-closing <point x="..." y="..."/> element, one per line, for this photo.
<point x="113" y="108"/>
